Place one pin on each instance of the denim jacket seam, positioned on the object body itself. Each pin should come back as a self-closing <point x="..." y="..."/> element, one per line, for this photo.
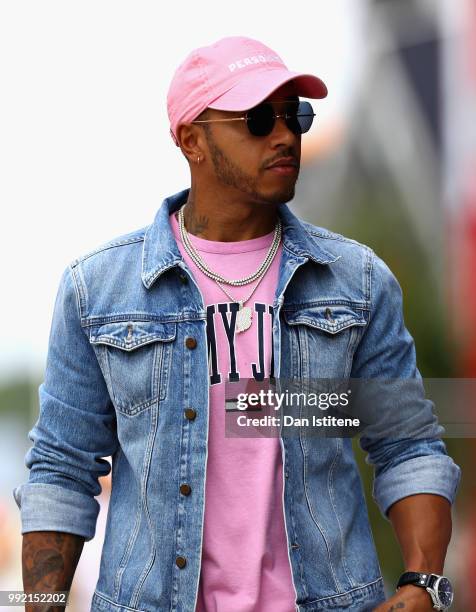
<point x="293" y="253"/>
<point x="121" y="317"/>
<point x="146" y="474"/>
<point x="315" y="231"/>
<point x="81" y="295"/>
<point x="360" y="587"/>
<point x="370" y="287"/>
<point x="358" y="305"/>
<point x="108" y="245"/>
<point x="299" y="561"/>
<point x="356" y="334"/>
<point x="337" y="237"/>
<point x="330" y="488"/>
<point x="311" y="512"/>
<point x="103" y="596"/>
<point x="126" y="555"/>
<point x="368" y="274"/>
<point x="138" y="408"/>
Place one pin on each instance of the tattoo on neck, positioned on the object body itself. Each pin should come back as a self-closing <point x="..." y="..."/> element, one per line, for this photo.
<point x="194" y="224"/>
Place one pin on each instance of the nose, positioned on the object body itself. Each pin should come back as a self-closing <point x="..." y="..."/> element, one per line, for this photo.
<point x="281" y="133"/>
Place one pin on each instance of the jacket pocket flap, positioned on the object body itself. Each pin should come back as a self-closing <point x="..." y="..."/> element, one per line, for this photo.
<point x="129" y="335"/>
<point x="331" y="319"/>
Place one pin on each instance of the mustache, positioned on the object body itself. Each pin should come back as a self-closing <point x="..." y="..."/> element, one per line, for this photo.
<point x="280" y="155"/>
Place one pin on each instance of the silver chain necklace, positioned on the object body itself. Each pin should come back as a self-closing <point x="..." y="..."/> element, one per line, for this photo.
<point x="211" y="274"/>
<point x="244" y="314"/>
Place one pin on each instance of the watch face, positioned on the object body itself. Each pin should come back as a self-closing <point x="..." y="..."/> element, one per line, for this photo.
<point x="445" y="591"/>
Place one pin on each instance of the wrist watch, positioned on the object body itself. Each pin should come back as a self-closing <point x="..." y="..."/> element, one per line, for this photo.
<point x="439" y="587"/>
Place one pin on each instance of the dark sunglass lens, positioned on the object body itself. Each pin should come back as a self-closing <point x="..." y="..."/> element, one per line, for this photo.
<point x="293" y="123"/>
<point x="261" y="120"/>
<point x="305" y="116"/>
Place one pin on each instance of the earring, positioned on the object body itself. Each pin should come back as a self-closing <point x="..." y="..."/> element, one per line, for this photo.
<point x="199" y="159"/>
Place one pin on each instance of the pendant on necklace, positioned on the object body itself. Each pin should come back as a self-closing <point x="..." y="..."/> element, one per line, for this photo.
<point x="243" y="318"/>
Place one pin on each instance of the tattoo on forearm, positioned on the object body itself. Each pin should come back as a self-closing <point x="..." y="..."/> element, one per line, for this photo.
<point x="398" y="606"/>
<point x="49" y="560"/>
<point x="44" y="562"/>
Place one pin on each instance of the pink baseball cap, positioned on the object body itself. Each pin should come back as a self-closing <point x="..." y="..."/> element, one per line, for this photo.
<point x="233" y="74"/>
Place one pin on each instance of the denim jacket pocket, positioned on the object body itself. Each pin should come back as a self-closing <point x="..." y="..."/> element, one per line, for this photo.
<point x="135" y="357"/>
<point x="323" y="338"/>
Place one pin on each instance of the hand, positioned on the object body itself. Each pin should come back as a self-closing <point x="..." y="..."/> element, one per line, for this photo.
<point x="408" y="598"/>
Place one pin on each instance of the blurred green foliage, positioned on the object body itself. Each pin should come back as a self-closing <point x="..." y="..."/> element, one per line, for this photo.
<point x="17" y="397"/>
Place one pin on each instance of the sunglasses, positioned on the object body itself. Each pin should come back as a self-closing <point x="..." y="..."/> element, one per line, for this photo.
<point x="260" y="119"/>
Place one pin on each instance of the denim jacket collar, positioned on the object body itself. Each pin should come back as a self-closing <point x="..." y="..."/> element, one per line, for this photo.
<point x="160" y="251"/>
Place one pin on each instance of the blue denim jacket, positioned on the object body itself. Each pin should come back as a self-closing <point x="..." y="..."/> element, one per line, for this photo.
<point x="124" y="380"/>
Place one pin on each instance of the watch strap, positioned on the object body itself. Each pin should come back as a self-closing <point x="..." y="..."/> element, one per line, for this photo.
<point x="417" y="578"/>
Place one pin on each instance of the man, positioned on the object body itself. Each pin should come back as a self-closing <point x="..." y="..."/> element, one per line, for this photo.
<point x="227" y="285"/>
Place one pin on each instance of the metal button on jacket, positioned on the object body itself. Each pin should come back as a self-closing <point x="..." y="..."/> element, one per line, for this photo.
<point x="180" y="562"/>
<point x="185" y="489"/>
<point x="329" y="316"/>
<point x="190" y="413"/>
<point x="190" y="342"/>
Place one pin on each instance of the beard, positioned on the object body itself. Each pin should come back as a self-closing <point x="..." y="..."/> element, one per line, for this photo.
<point x="231" y="175"/>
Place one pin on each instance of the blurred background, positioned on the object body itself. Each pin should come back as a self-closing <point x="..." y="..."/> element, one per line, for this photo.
<point x="85" y="155"/>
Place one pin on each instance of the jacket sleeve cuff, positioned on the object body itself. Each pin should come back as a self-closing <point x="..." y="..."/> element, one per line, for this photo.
<point x="427" y="474"/>
<point x="47" y="507"/>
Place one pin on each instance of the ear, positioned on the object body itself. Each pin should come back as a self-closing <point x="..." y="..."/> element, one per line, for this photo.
<point x="191" y="141"/>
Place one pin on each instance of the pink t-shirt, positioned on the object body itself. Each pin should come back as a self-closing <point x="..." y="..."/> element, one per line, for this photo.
<point x="245" y="563"/>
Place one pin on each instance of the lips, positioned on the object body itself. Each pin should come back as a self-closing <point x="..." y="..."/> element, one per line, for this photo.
<point x="284" y="162"/>
<point x="285" y="166"/>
